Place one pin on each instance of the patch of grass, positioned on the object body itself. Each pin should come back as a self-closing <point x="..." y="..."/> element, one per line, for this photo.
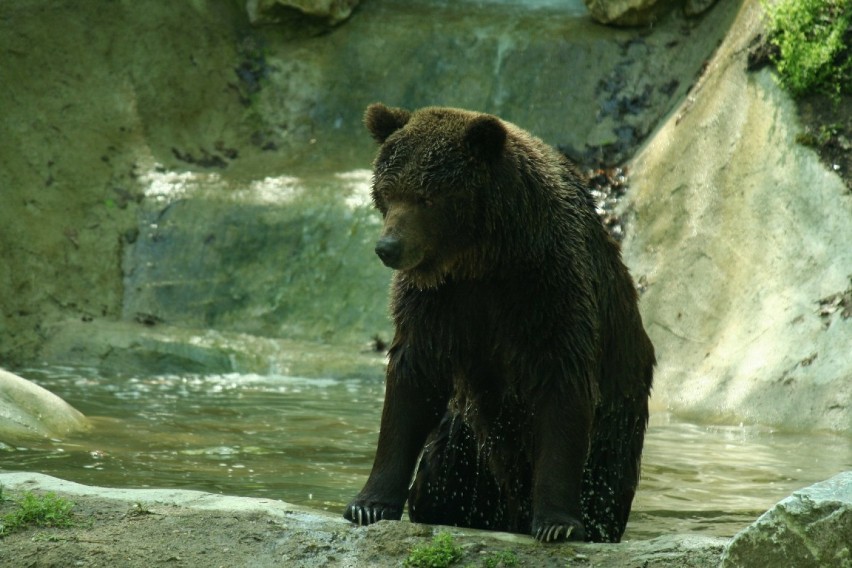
<point x="442" y="552"/>
<point x="37" y="510"/>
<point x="48" y="537"/>
<point x="812" y="40"/>
<point x="504" y="558"/>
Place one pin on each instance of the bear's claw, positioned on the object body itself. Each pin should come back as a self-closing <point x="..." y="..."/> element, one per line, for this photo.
<point x="363" y="515"/>
<point x="559" y="532"/>
<point x="553" y="533"/>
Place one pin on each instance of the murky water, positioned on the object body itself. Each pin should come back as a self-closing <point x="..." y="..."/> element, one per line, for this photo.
<point x="311" y="441"/>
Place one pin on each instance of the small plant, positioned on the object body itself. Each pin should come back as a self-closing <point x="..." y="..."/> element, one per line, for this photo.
<point x="503" y="558"/>
<point x="442" y="552"/>
<point x="40" y="511"/>
<point x="138" y="510"/>
<point x="811" y="37"/>
<point x="821" y="137"/>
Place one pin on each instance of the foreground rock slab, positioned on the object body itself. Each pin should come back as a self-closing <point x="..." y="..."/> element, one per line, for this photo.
<point x="810" y="528"/>
<point x="154" y="527"/>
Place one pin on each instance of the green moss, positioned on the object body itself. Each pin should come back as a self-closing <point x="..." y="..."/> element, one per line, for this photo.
<point x="40" y="511"/>
<point x="810" y="37"/>
<point x="442" y="552"/>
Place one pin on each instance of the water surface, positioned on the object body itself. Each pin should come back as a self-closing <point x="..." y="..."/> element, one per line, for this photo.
<point x="310" y="441"/>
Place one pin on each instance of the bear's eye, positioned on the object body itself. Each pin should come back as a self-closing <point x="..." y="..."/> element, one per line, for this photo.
<point x="380" y="201"/>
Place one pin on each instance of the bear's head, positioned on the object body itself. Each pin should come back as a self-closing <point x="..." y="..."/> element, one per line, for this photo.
<point x="432" y="170"/>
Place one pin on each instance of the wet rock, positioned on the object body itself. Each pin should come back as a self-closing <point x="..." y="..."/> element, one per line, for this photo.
<point x="627" y="12"/>
<point x="276" y="11"/>
<point x="607" y="187"/>
<point x="405" y="54"/>
<point x="281" y="257"/>
<point x="742" y="237"/>
<point x="127" y="348"/>
<point x="697" y="7"/>
<point x="27" y="410"/>
<point x="810" y="529"/>
<point x="641" y="12"/>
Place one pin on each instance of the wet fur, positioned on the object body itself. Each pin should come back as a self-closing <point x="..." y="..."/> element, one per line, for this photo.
<point x="520" y="367"/>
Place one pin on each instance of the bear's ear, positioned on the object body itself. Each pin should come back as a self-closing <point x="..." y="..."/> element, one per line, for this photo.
<point x="486" y="137"/>
<point x="383" y="121"/>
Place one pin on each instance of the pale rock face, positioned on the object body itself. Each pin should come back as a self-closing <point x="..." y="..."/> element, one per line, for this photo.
<point x="741" y="238"/>
<point x="810" y="528"/>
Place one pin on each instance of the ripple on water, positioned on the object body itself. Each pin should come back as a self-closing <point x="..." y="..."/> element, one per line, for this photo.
<point x="311" y="441"/>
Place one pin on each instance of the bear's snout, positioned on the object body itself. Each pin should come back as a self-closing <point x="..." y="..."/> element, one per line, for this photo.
<point x="389" y="249"/>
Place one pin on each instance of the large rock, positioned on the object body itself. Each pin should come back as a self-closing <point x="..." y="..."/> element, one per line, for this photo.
<point x="641" y="12"/>
<point x="122" y="90"/>
<point x="810" y="529"/>
<point x="627" y="12"/>
<point x="27" y="411"/>
<point x="127" y="347"/>
<point x="697" y="7"/>
<point x="275" y="11"/>
<point x="742" y="239"/>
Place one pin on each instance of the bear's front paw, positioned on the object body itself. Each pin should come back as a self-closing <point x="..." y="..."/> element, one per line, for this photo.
<point x="368" y="512"/>
<point x="556" y="531"/>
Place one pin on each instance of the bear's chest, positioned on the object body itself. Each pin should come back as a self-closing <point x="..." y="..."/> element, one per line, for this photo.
<point x="478" y="340"/>
<point x="476" y="337"/>
<point x="464" y="324"/>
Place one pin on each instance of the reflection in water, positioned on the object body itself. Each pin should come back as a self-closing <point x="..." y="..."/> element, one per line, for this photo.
<point x="311" y="442"/>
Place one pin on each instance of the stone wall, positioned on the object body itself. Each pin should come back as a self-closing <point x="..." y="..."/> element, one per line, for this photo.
<point x="100" y="98"/>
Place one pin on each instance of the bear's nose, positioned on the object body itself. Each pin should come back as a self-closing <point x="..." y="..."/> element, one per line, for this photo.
<point x="389" y="250"/>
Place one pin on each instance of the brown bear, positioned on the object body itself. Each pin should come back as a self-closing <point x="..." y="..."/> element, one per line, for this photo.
<point x="520" y="371"/>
